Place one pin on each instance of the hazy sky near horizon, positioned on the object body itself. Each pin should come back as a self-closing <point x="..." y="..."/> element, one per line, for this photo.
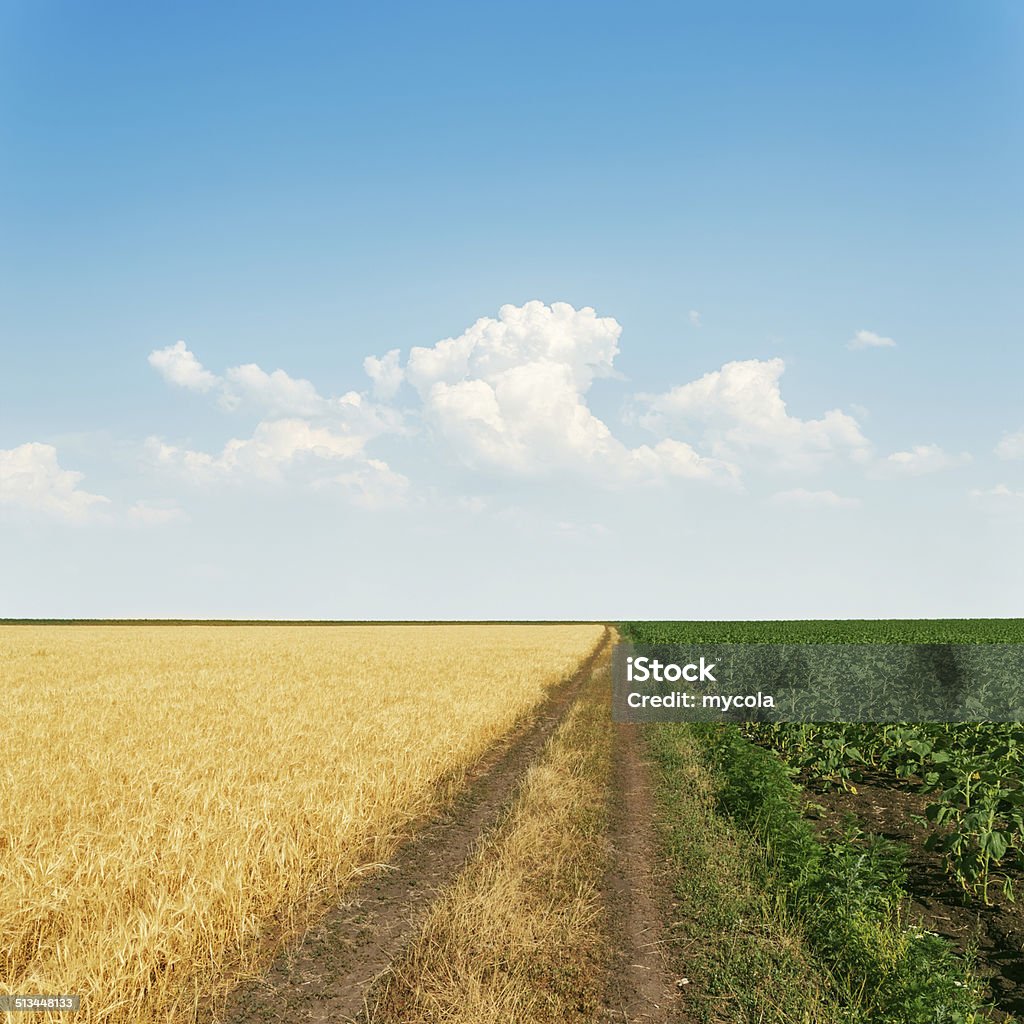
<point x="688" y="310"/>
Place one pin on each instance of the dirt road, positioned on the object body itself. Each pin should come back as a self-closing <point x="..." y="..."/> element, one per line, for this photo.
<point x="329" y="975"/>
<point x="642" y="989"/>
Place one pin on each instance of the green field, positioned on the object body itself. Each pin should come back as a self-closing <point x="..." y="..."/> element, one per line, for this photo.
<point x="822" y="631"/>
<point x="848" y="887"/>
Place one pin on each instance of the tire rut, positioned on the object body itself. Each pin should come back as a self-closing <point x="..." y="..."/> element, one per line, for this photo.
<point x="642" y="990"/>
<point x="329" y="975"/>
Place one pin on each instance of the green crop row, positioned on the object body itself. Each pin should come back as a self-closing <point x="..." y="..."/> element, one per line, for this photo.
<point x="845" y="891"/>
<point x="972" y="772"/>
<point x="843" y="631"/>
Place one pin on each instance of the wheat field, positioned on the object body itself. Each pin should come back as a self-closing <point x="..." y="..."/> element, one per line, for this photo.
<point x="170" y="795"/>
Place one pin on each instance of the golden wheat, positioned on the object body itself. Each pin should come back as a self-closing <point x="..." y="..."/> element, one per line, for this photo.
<point x="170" y="793"/>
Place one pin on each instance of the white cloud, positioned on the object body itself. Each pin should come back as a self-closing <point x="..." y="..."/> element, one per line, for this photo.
<point x="194" y="465"/>
<point x="372" y="485"/>
<point x="177" y="365"/>
<point x="274" y="445"/>
<point x="31" y="479"/>
<point x="584" y="343"/>
<point x="1011" y="446"/>
<point x="156" y="513"/>
<point x="299" y="428"/>
<point x="508" y="395"/>
<point x="275" y="392"/>
<point x="671" y="458"/>
<point x="386" y="374"/>
<point x="999" y="491"/>
<point x="922" y="459"/>
<point x="801" y="498"/>
<point x="1000" y="500"/>
<point x="741" y="413"/>
<point x="868" y="339"/>
<point x="278" y="395"/>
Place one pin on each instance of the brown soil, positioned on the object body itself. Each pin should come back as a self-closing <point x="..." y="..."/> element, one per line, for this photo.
<point x="889" y="807"/>
<point x="642" y="987"/>
<point x="326" y="978"/>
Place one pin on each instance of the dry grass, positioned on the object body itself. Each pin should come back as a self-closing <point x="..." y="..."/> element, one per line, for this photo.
<point x="519" y="937"/>
<point x="169" y="792"/>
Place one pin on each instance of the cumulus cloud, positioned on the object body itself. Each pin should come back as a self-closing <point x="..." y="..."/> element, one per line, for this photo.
<point x="923" y="459"/>
<point x="31" y="479"/>
<point x="869" y="339"/>
<point x="177" y="365"/>
<point x="509" y="395"/>
<point x="274" y="445"/>
<point x="576" y="339"/>
<point x="372" y="485"/>
<point x="276" y="392"/>
<point x="1011" y="446"/>
<point x="386" y="374"/>
<point x="741" y="415"/>
<point x="801" y="498"/>
<point x="671" y="458"/>
<point x="299" y="428"/>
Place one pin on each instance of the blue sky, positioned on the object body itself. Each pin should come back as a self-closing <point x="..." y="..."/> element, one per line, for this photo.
<point x="734" y="189"/>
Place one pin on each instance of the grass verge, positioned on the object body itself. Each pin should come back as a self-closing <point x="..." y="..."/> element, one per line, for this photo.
<point x="842" y="896"/>
<point x="519" y="936"/>
<point x="744" y="957"/>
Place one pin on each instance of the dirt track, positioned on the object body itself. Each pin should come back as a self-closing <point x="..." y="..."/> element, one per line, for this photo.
<point x="326" y="979"/>
<point x="641" y="988"/>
